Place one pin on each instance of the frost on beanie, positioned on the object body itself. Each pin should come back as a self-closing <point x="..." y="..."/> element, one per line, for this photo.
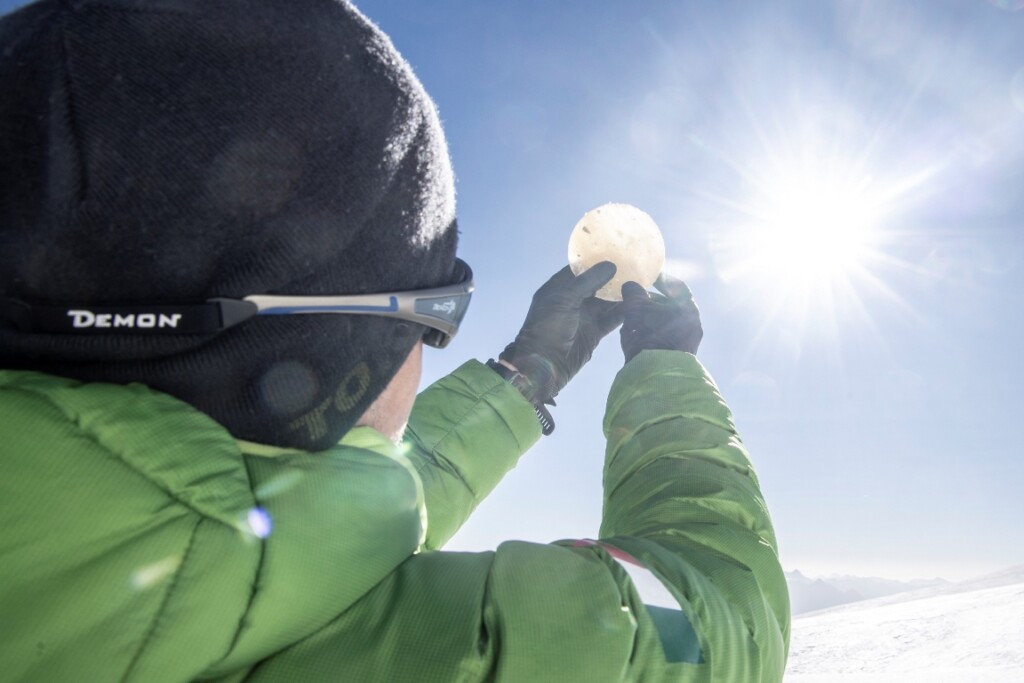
<point x="172" y="151"/>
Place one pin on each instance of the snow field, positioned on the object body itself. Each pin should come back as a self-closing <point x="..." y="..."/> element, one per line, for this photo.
<point x="955" y="637"/>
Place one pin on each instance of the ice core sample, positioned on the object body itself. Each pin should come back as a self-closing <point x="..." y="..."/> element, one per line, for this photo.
<point x="624" y="235"/>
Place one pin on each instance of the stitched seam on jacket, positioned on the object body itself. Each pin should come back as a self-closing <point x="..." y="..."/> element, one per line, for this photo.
<point x="163" y="603"/>
<point x="669" y="418"/>
<point x="731" y="429"/>
<point x="255" y="581"/>
<point x="74" y="419"/>
<point x="437" y="444"/>
<point x="688" y="456"/>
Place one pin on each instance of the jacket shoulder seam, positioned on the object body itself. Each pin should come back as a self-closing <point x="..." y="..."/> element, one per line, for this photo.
<point x="119" y="457"/>
<point x="257" y="576"/>
<point x="163" y="603"/>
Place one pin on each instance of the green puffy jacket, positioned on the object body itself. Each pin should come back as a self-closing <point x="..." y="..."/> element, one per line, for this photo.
<point x="140" y="542"/>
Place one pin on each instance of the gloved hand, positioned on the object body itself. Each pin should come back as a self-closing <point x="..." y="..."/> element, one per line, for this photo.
<point x="668" y="321"/>
<point x="562" y="329"/>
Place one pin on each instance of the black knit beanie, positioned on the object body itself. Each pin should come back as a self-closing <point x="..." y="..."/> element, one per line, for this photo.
<point x="172" y="151"/>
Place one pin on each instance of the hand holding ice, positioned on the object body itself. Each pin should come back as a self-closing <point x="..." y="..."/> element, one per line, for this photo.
<point x="624" y="235"/>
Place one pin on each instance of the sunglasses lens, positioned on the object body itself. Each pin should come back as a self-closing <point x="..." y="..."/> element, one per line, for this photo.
<point x="444" y="308"/>
<point x="436" y="338"/>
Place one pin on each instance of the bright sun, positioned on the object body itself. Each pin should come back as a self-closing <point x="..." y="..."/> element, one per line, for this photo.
<point x="810" y="244"/>
<point x="807" y="236"/>
<point x="812" y="222"/>
<point x="813" y="231"/>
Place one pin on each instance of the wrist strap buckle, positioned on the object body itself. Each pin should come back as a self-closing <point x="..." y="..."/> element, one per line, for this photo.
<point x="521" y="382"/>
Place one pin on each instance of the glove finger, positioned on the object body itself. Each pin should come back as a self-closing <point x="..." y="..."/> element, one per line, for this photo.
<point x="635" y="300"/>
<point x="592" y="279"/>
<point x="631" y="340"/>
<point x="633" y="292"/>
<point x="563" y="278"/>
<point x="673" y="288"/>
<point x="637" y="310"/>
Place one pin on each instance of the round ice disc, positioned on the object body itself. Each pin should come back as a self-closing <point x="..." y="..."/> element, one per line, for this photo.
<point x="624" y="235"/>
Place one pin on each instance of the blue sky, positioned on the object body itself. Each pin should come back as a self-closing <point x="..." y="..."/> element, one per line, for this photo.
<point x="874" y="371"/>
<point x="880" y="405"/>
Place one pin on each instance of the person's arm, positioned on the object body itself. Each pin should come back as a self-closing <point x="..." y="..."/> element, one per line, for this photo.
<point x="466" y="431"/>
<point x="469" y="429"/>
<point x="681" y="497"/>
<point x="683" y="501"/>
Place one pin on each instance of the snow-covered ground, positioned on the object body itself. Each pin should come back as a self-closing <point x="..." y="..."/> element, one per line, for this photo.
<point x="971" y="632"/>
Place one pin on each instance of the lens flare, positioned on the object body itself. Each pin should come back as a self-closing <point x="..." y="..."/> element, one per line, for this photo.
<point x="260" y="524"/>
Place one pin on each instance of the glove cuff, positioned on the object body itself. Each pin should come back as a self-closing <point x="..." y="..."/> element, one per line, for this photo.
<point x="538" y="381"/>
<point x="520" y="381"/>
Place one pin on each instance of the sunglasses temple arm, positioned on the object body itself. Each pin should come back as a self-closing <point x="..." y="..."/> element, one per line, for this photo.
<point x="234" y="311"/>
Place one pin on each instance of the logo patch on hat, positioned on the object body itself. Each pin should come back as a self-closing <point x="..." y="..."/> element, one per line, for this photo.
<point x="82" y="319"/>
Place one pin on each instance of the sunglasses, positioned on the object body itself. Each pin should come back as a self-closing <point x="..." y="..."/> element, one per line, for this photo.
<point x="439" y="309"/>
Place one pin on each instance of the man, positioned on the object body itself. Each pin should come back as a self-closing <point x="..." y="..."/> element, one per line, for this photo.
<point x="226" y="230"/>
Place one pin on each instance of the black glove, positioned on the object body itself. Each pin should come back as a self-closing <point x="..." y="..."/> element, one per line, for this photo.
<point x="562" y="329"/>
<point x="669" y="322"/>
